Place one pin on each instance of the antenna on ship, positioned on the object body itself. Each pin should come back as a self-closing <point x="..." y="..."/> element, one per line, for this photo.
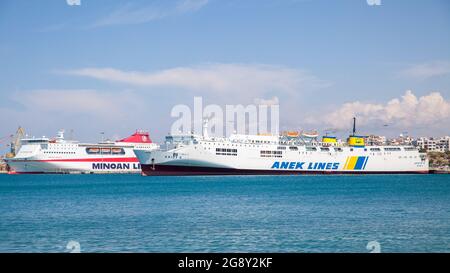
<point x="60" y="135"/>
<point x="205" y="128"/>
<point x="354" y="126"/>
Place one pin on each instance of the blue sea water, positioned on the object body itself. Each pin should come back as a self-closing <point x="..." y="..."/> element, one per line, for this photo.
<point x="131" y="213"/>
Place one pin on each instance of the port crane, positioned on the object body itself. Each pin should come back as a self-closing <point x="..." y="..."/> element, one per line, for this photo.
<point x="15" y="141"/>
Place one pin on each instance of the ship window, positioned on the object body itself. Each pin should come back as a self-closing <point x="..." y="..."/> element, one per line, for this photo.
<point x="375" y="149"/>
<point x="394" y="149"/>
<point x="271" y="153"/>
<point x="221" y="151"/>
<point x="311" y="148"/>
<point x="36" y="141"/>
<point x="293" y="148"/>
<point x="324" y="149"/>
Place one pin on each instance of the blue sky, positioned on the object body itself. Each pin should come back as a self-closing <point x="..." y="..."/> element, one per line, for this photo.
<point x="116" y="66"/>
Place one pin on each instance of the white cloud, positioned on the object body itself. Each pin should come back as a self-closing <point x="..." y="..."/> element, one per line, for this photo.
<point x="129" y="14"/>
<point x="78" y="101"/>
<point x="408" y="111"/>
<point x="226" y="79"/>
<point x="427" y="70"/>
<point x="190" y="5"/>
<point x="87" y="111"/>
<point x="272" y="101"/>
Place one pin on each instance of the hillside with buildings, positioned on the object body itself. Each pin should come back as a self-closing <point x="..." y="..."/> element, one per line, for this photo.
<point x="438" y="149"/>
<point x="2" y="165"/>
<point x="439" y="160"/>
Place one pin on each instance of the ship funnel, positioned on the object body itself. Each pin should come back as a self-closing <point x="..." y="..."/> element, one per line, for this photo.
<point x="354" y="140"/>
<point x="139" y="136"/>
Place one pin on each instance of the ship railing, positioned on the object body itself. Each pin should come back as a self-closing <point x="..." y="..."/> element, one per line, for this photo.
<point x="171" y="146"/>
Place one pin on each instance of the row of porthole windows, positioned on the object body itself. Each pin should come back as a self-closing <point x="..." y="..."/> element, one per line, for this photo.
<point x="62" y="145"/>
<point x="230" y="145"/>
<point x="233" y="154"/>
<point x="226" y="150"/>
<point x="240" y="145"/>
<point x="59" y="153"/>
<point x="293" y="148"/>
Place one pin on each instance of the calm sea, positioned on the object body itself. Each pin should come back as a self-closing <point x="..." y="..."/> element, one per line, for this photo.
<point x="130" y="213"/>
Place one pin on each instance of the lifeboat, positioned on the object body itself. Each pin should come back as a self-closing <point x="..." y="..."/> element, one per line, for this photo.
<point x="311" y="134"/>
<point x="93" y="150"/>
<point x="291" y="133"/>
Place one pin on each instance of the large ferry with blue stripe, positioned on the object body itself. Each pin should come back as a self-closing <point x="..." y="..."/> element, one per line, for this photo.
<point x="289" y="153"/>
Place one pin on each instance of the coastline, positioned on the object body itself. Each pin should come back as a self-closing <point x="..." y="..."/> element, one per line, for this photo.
<point x="439" y="171"/>
<point x="3" y="167"/>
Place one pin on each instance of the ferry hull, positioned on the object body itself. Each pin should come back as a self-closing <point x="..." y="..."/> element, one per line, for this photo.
<point x="170" y="170"/>
<point x="116" y="165"/>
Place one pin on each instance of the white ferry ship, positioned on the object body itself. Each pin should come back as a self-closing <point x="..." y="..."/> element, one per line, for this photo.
<point x="58" y="155"/>
<point x="289" y="153"/>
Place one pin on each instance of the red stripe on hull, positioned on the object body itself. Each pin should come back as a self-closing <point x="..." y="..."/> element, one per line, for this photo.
<point x="99" y="160"/>
<point x="14" y="173"/>
<point x="167" y="170"/>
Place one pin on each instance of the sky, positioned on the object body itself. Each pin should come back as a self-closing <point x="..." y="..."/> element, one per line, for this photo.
<point x="117" y="66"/>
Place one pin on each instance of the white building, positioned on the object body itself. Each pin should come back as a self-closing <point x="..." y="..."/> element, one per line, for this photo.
<point x="443" y="144"/>
<point x="431" y="144"/>
<point x="373" y="140"/>
<point x="401" y="140"/>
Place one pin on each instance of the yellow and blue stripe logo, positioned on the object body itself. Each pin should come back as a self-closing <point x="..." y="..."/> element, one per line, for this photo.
<point x="356" y="162"/>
